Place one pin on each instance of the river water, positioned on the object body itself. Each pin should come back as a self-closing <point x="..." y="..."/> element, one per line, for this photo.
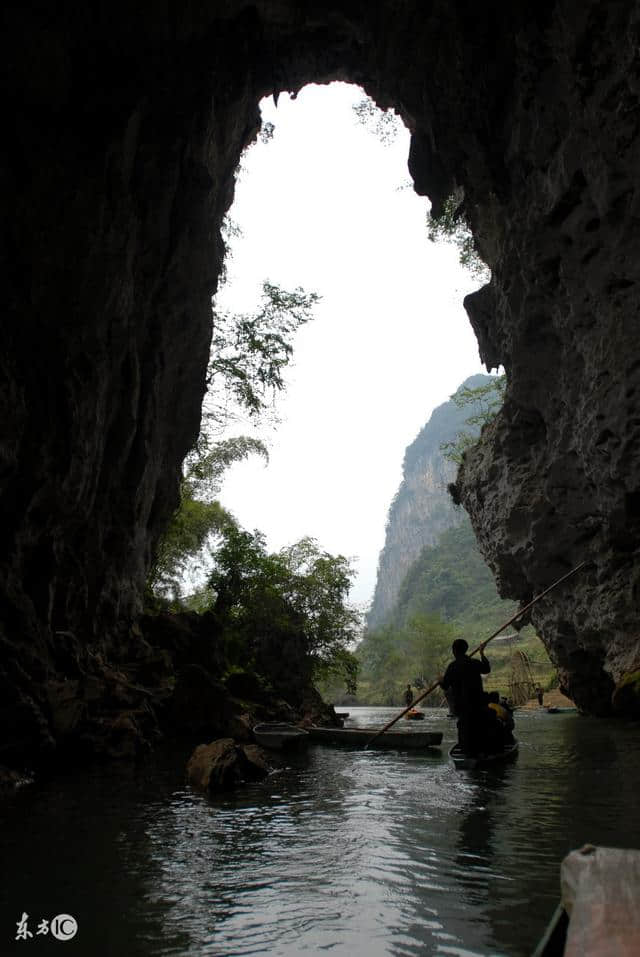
<point x="338" y="851"/>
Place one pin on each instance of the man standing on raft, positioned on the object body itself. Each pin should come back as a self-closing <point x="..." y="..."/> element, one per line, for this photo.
<point x="463" y="677"/>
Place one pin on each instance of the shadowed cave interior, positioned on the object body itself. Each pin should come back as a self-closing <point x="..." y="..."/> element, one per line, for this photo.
<point x="123" y="131"/>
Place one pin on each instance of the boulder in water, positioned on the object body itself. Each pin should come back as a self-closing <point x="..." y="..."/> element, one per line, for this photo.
<point x="223" y="765"/>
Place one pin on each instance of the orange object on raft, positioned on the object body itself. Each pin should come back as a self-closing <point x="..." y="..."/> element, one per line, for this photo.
<point x="414" y="715"/>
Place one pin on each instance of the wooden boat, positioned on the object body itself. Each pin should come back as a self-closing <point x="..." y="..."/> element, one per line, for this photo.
<point x="278" y="735"/>
<point x="554" y="938"/>
<point x="463" y="762"/>
<point x="359" y="737"/>
<point x="414" y="715"/>
<point x="553" y="710"/>
<point x="598" y="911"/>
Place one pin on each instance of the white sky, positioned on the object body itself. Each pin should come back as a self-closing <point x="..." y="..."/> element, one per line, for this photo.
<point x="320" y="207"/>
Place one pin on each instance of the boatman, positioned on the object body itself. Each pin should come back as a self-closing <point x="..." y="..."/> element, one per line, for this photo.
<point x="408" y="696"/>
<point x="464" y="678"/>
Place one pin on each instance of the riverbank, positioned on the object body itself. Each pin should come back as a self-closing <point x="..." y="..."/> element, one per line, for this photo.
<point x="551" y="699"/>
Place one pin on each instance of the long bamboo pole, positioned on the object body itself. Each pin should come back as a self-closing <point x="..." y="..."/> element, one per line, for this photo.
<point x="482" y="644"/>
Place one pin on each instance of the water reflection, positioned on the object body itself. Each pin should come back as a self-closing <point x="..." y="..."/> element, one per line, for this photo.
<point x="375" y="853"/>
<point x="569" y="787"/>
<point x="255" y="879"/>
<point x="78" y="846"/>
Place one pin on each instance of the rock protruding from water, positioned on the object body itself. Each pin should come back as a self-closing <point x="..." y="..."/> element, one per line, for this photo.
<point x="224" y="765"/>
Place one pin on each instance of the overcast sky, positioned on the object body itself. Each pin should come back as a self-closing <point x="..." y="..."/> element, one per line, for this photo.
<point x="322" y="206"/>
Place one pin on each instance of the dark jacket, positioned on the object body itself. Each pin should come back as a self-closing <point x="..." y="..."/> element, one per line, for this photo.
<point x="463" y="678"/>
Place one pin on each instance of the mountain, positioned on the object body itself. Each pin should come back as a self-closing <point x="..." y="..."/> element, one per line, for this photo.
<point x="448" y="592"/>
<point x="421" y="509"/>
<point x="451" y="580"/>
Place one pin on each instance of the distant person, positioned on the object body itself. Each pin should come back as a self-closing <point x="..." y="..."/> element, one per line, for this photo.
<point x="540" y="695"/>
<point x="464" y="677"/>
<point x="408" y="696"/>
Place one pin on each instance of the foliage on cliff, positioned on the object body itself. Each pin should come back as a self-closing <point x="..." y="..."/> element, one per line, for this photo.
<point x="451" y="226"/>
<point x="480" y="404"/>
<point x="249" y="353"/>
<point x="185" y="547"/>
<point x="283" y="614"/>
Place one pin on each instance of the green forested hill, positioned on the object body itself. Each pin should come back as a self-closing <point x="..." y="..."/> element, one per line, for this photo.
<point x="448" y="592"/>
<point x="452" y="581"/>
<point x="428" y="594"/>
<point x="421" y="508"/>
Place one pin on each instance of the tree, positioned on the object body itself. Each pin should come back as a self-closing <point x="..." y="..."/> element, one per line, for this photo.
<point x="249" y="354"/>
<point x="186" y="544"/>
<point x="285" y="611"/>
<point x="428" y="642"/>
<point x="391" y="656"/>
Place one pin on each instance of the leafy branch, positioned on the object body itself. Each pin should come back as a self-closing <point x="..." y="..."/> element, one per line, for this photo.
<point x="451" y="226"/>
<point x="485" y="401"/>
<point x="384" y="124"/>
<point x="249" y="355"/>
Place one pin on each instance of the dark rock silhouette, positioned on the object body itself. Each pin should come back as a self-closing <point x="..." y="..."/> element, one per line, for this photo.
<point x="122" y="133"/>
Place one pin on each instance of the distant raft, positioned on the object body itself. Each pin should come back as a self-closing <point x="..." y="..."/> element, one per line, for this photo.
<point x="359" y="737"/>
<point x="414" y="715"/>
<point x="464" y="762"/>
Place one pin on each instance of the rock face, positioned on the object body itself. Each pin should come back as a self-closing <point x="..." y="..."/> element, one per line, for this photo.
<point x="555" y="479"/>
<point x="422" y="508"/>
<point x="223" y="765"/>
<point x="123" y="130"/>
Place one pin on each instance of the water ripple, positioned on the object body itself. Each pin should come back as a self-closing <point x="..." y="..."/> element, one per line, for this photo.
<point x="344" y="852"/>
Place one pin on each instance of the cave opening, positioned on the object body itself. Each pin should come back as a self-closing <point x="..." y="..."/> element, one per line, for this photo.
<point x="324" y="202"/>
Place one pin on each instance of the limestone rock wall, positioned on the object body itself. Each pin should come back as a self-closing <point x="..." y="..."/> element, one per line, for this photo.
<point x="556" y="477"/>
<point x="422" y="508"/>
<point x="122" y="128"/>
